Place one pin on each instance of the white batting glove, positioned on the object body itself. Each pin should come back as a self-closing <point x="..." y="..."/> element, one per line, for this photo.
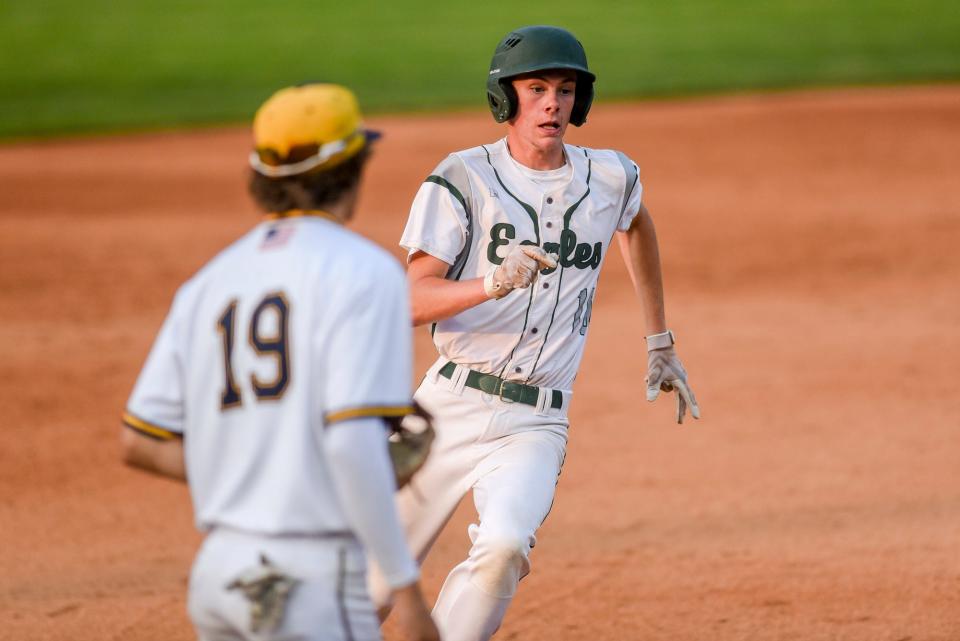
<point x="665" y="372"/>
<point x="518" y="270"/>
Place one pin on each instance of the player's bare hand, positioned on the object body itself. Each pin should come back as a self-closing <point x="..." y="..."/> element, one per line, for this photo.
<point x="518" y="270"/>
<point x="413" y="616"/>
<point x="665" y="372"/>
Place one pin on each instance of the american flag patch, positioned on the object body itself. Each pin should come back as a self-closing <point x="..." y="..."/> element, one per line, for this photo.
<point x="277" y="236"/>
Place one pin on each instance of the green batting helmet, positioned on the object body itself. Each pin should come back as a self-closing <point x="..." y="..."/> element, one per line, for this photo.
<point x="537" y="48"/>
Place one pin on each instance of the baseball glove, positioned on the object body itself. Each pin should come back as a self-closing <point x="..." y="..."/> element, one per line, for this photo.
<point x="266" y="588"/>
<point x="410" y="439"/>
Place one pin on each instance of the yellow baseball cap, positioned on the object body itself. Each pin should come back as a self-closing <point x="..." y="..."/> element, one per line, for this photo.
<point x="307" y="128"/>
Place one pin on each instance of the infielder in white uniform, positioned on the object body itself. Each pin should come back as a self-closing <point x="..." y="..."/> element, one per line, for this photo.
<point x="268" y="388"/>
<point x="506" y="241"/>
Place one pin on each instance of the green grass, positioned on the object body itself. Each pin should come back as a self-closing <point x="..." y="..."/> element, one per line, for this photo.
<point x="69" y="66"/>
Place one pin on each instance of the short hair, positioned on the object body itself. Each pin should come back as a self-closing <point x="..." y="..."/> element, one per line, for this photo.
<point x="312" y="190"/>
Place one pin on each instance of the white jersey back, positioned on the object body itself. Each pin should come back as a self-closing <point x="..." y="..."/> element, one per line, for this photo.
<point x="297" y="325"/>
<point x="476" y="206"/>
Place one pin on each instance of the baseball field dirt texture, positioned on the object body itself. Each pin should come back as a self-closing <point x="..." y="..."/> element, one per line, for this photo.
<point x="810" y="247"/>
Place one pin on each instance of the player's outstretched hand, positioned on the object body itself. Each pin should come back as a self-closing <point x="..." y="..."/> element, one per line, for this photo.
<point x="665" y="372"/>
<point x="413" y="615"/>
<point x="518" y="270"/>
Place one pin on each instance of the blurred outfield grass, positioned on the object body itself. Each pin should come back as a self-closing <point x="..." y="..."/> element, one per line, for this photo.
<point x="99" y="65"/>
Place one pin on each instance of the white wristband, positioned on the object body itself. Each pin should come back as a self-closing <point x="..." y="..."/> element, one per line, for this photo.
<point x="493" y="290"/>
<point x="660" y="341"/>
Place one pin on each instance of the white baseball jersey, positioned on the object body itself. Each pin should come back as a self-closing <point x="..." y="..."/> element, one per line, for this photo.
<point x="477" y="205"/>
<point x="297" y="325"/>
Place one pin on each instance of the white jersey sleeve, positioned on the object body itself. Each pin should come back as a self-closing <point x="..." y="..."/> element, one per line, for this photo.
<point x="439" y="222"/>
<point x="156" y="405"/>
<point x="369" y="348"/>
<point x="632" y="194"/>
<point x="363" y="474"/>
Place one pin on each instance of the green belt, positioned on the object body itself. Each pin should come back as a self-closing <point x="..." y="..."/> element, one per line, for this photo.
<point x="505" y="390"/>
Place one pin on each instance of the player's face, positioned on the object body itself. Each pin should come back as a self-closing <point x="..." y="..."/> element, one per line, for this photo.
<point x="544" y="103"/>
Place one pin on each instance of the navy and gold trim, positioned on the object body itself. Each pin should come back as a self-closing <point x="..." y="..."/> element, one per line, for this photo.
<point x="149" y="429"/>
<point x="380" y="411"/>
<point x="301" y="213"/>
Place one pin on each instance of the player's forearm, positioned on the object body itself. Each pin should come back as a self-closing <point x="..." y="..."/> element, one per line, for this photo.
<point x="642" y="256"/>
<point x="363" y="477"/>
<point x="433" y="298"/>
<point x="164" y="458"/>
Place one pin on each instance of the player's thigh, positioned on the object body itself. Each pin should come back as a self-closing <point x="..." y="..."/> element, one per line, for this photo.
<point x="428" y="501"/>
<point x="424" y="507"/>
<point x="517" y="483"/>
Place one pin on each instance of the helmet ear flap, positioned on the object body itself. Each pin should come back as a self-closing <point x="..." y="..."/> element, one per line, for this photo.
<point x="511" y="99"/>
<point x="502" y="99"/>
<point x="582" y="102"/>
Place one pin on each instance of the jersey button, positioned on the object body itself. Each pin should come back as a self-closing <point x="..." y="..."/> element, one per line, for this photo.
<point x="534" y="330"/>
<point x="549" y="224"/>
<point x="546" y="285"/>
<point x="518" y="370"/>
<point x="549" y="201"/>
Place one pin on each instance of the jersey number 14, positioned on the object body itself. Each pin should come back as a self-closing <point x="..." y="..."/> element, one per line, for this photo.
<point x="273" y="345"/>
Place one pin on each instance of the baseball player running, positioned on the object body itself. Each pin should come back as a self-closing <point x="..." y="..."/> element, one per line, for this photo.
<point x="505" y="244"/>
<point x="256" y="391"/>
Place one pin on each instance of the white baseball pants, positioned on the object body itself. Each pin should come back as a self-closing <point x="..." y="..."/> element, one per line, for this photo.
<point x="510" y="455"/>
<point x="330" y="603"/>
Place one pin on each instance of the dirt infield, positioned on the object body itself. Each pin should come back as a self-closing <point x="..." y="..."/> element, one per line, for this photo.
<point x="810" y="245"/>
